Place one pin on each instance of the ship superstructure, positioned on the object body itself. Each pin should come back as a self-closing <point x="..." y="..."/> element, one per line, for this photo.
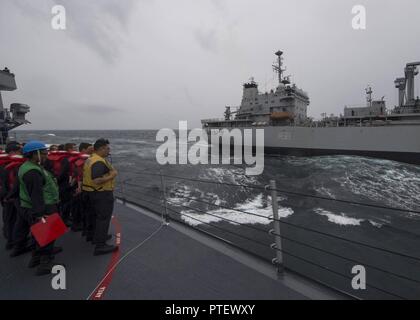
<point x="284" y="104"/>
<point x="15" y="116"/>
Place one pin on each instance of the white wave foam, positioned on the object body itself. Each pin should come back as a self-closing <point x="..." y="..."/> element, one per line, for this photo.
<point x="325" y="191"/>
<point x="87" y="139"/>
<point x="228" y="175"/>
<point x="343" y="220"/>
<point x="375" y="224"/>
<point x="255" y="205"/>
<point x="340" y="219"/>
<point x="144" y="152"/>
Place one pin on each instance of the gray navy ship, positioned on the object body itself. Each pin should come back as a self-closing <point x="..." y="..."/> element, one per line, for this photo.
<point x="372" y="130"/>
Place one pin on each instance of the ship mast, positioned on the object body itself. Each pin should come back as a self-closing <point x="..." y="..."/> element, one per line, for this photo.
<point x="279" y="67"/>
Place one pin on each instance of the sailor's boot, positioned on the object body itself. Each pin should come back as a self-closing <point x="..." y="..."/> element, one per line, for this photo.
<point x="35" y="260"/>
<point x="45" y="265"/>
<point x="104" y="249"/>
<point x="19" y="250"/>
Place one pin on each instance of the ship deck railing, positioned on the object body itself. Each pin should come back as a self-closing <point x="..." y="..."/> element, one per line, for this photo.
<point x="327" y="258"/>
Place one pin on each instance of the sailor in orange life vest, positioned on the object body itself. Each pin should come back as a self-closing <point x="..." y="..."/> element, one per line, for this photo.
<point x="99" y="181"/>
<point x="66" y="189"/>
<point x="79" y="201"/>
<point x="39" y="197"/>
<point x="9" y="189"/>
<point x="53" y="148"/>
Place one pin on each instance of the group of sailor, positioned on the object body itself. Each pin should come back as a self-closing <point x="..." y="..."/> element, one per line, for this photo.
<point x="37" y="181"/>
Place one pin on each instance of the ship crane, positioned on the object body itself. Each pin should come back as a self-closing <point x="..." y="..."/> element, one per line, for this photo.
<point x="229" y="113"/>
<point x="405" y="85"/>
<point x="400" y="84"/>
<point x="410" y="72"/>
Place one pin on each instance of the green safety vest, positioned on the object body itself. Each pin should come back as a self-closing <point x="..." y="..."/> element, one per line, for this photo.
<point x="49" y="190"/>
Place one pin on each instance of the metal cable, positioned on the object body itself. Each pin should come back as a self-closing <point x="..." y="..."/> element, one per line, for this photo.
<point x="342" y="275"/>
<point x="199" y="229"/>
<point x="272" y="219"/>
<point x="308" y="245"/>
<point x="301" y="243"/>
<point x="225" y="207"/>
<point x="285" y="192"/>
<point x="228" y="231"/>
<point x="344" y="201"/>
<point x="351" y="241"/>
<point x="348" y="259"/>
<point x="222" y="218"/>
<point x="314" y="231"/>
<point x="253" y="213"/>
<point x="283" y="251"/>
<point x="210" y="214"/>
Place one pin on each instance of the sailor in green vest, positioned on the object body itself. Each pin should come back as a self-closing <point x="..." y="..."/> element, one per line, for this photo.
<point x="39" y="197"/>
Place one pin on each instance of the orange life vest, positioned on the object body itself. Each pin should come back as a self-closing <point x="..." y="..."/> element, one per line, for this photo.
<point x="12" y="168"/>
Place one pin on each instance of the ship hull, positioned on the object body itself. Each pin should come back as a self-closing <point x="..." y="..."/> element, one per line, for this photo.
<point x="394" y="142"/>
<point x="407" y="157"/>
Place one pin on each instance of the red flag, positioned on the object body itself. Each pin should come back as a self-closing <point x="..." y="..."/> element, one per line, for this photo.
<point x="48" y="229"/>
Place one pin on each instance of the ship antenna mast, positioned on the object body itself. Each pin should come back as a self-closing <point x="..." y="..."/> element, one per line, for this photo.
<point x="278" y="67"/>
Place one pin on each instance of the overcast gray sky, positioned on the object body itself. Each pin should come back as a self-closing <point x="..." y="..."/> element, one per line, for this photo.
<point x="146" y="64"/>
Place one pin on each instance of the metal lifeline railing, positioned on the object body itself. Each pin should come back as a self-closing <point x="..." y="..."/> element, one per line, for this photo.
<point x="277" y="246"/>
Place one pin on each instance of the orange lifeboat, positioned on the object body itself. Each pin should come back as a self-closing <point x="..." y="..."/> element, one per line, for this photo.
<point x="281" y="116"/>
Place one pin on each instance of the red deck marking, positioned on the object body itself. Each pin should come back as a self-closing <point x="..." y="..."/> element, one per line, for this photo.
<point x="100" y="291"/>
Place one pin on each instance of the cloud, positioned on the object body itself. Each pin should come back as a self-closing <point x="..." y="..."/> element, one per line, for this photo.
<point x="219" y="5"/>
<point x="99" y="25"/>
<point x="102" y="109"/>
<point x="207" y="39"/>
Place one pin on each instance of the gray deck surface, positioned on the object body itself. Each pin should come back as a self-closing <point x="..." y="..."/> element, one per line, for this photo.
<point x="170" y="265"/>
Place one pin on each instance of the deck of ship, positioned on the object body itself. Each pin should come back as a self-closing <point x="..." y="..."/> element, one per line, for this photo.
<point x="176" y="263"/>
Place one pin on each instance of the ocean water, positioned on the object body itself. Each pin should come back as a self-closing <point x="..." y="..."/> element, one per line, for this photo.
<point x="213" y="207"/>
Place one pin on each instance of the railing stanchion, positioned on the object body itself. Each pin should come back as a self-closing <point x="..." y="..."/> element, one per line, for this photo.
<point x="124" y="200"/>
<point x="278" y="261"/>
<point x="162" y="182"/>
